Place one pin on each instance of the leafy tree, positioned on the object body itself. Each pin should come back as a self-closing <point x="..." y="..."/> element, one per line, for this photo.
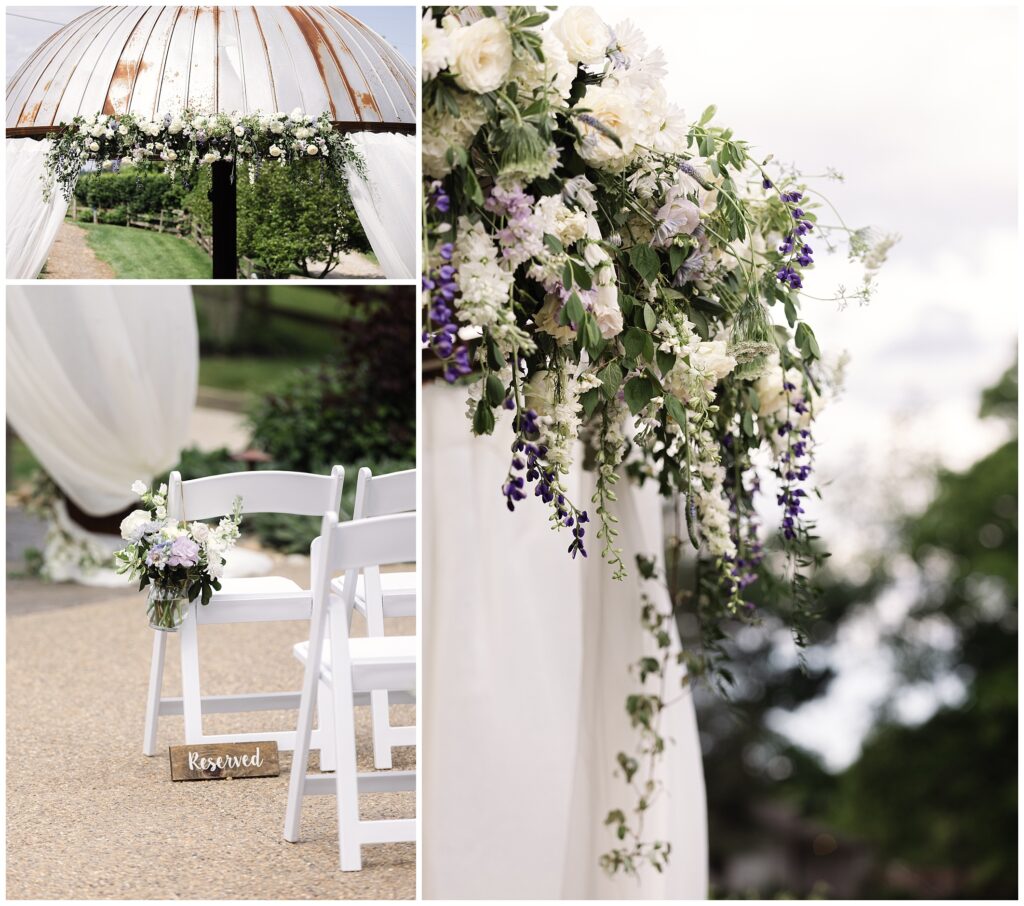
<point x="140" y="191"/>
<point x="290" y="217"/>
<point x="943" y="794"/>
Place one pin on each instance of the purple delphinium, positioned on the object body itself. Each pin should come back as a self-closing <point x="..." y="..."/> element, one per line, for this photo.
<point x="741" y="569"/>
<point x="529" y="465"/>
<point x="794" y="465"/>
<point x="441" y="286"/>
<point x="797" y="252"/>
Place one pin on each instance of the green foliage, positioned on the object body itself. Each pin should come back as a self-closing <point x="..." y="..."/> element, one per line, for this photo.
<point x="361" y="405"/>
<point x="288" y="217"/>
<point x="140" y="191"/>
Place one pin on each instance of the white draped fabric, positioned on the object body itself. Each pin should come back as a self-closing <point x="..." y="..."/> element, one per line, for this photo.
<point x="387" y="200"/>
<point x="101" y="382"/>
<point x="525" y="675"/>
<point x="32" y="222"/>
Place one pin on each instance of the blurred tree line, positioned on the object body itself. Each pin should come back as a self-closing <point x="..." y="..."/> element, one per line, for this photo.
<point x="927" y="809"/>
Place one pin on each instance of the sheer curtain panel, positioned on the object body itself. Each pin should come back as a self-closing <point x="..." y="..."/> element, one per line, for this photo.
<point x="101" y="382"/>
<point x="387" y="201"/>
<point x="32" y="222"/>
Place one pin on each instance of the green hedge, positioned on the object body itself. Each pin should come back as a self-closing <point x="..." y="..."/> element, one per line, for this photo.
<point x="140" y="191"/>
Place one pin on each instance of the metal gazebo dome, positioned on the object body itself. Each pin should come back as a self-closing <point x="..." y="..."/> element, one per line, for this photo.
<point x="152" y="60"/>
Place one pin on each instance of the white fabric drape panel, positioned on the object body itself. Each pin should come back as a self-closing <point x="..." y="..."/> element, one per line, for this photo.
<point x="32" y="223"/>
<point x="387" y="201"/>
<point x="525" y="673"/>
<point x="101" y="382"/>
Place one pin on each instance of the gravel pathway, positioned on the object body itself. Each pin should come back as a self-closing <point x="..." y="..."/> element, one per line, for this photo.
<point x="88" y="816"/>
<point x="72" y="259"/>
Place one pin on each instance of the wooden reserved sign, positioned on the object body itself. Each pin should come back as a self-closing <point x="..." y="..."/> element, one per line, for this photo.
<point x="225" y="760"/>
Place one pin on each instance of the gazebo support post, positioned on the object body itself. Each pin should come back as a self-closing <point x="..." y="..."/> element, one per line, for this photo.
<point x="223" y="202"/>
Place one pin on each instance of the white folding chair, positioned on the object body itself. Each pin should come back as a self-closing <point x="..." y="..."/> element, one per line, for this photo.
<point x="349" y="667"/>
<point x="240" y="601"/>
<point x="380" y="595"/>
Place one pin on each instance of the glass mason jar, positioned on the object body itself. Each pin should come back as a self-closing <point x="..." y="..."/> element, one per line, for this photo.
<point x="167" y="607"/>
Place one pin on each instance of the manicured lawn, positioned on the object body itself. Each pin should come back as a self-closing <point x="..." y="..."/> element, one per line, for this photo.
<point x="143" y="254"/>
<point x="248" y="374"/>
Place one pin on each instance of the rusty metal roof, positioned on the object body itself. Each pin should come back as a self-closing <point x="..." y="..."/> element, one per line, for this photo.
<point x="152" y="60"/>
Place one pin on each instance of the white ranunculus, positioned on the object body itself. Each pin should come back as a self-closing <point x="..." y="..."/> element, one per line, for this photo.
<point x="107" y="165"/>
<point x="276" y="126"/>
<point x="437" y="51"/>
<point x="583" y="34"/>
<point x="176" y="126"/>
<point x="275" y="151"/>
<point x="615" y="110"/>
<point x="482" y="55"/>
<point x="200" y="531"/>
<point x="98" y="130"/>
<point x="132" y="524"/>
<point x="122" y="129"/>
<point x="94" y="146"/>
<point x="211" y="156"/>
<point x="312" y="150"/>
<point x="90" y="119"/>
<point x="607" y="312"/>
<point x="169" y="155"/>
<point x="239" y="131"/>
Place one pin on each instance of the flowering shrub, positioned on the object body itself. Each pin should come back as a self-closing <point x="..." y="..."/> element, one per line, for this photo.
<point x="604" y="270"/>
<point x="172" y="554"/>
<point x="183" y="143"/>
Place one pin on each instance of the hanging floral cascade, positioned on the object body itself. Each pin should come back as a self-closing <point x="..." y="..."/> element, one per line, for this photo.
<point x="598" y="268"/>
<point x="183" y="143"/>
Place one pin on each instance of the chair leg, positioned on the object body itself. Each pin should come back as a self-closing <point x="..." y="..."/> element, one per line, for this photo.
<point x="346" y="783"/>
<point x="325" y="715"/>
<point x="156" y="677"/>
<point x="303" y="733"/>
<point x="381" y="723"/>
<point x="191" y="699"/>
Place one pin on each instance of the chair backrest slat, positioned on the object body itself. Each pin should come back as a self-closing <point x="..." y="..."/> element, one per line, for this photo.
<point x="385" y="495"/>
<point x="377" y="541"/>
<point x="296" y="493"/>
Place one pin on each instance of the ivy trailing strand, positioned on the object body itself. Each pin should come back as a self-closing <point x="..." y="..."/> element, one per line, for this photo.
<point x="180" y="144"/>
<point x="598" y="268"/>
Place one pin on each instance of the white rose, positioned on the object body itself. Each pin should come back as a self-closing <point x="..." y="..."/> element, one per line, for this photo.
<point x="210" y="157"/>
<point x="107" y="165"/>
<point x="296" y="114"/>
<point x="200" y="531"/>
<point x="482" y="55"/>
<point x="312" y="149"/>
<point x="94" y="146"/>
<point x="276" y="126"/>
<point x="615" y="110"/>
<point x="126" y="159"/>
<point x="176" y="126"/>
<point x="607" y="312"/>
<point x="239" y="131"/>
<point x="583" y="34"/>
<point x="437" y="53"/>
<point x="122" y="130"/>
<point x="169" y="155"/>
<point x="275" y="151"/>
<point x="678" y="215"/>
<point x="91" y="119"/>
<point x="712" y="357"/>
<point x="97" y="131"/>
<point x="133" y="522"/>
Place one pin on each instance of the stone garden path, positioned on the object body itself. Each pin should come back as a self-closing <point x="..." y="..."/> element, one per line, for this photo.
<point x="72" y="259"/>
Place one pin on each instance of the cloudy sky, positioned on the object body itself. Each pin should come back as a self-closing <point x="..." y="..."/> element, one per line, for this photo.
<point x="917" y="107"/>
<point x="29" y="26"/>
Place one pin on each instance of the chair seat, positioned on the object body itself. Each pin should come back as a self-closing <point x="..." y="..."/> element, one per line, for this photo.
<point x="397" y="588"/>
<point x="383" y="662"/>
